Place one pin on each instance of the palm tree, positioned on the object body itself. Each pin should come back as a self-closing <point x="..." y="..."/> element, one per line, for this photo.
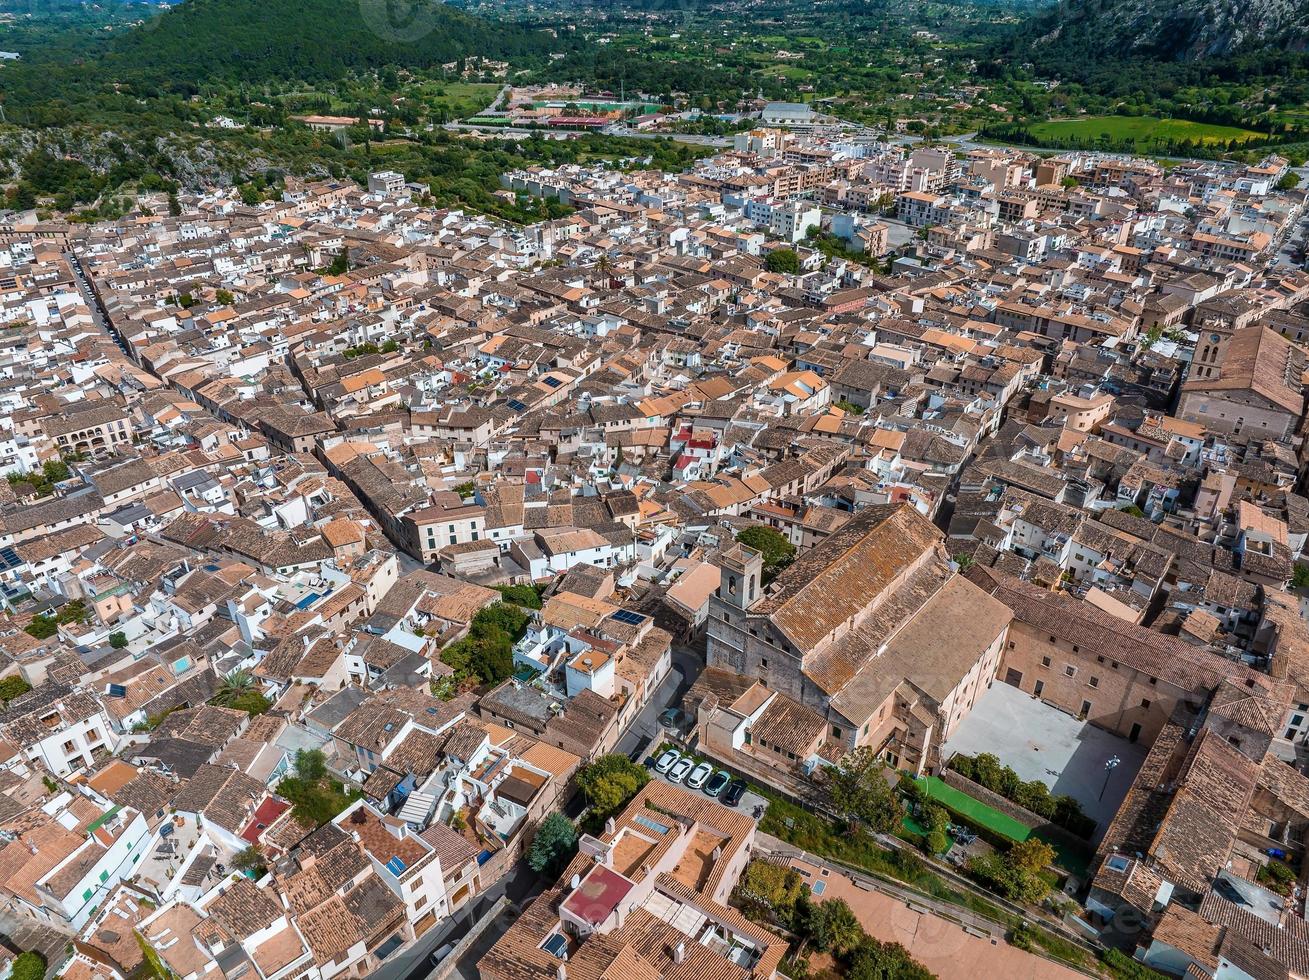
<point x="234" y="687"/>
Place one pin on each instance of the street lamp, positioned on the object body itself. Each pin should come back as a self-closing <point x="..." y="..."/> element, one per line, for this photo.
<point x="1109" y="766"/>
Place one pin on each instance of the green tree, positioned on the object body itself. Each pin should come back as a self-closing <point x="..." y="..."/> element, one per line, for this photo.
<point x="311" y="764"/>
<point x="783" y="260"/>
<point x="341" y="264"/>
<point x="833" y="928"/>
<point x="553" y="845"/>
<point x="223" y="297"/>
<point x="118" y="639"/>
<point x="777" y="551"/>
<point x="610" y="782"/>
<point x="11" y="687"/>
<point x="771" y="892"/>
<point x="28" y="966"/>
<point x="1031" y="856"/>
<point x="236" y="686"/>
<point x="520" y="595"/>
<point x="858" y="790"/>
<point x="42" y="627"/>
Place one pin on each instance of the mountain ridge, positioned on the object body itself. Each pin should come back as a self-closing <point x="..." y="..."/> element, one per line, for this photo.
<point x="1169" y="30"/>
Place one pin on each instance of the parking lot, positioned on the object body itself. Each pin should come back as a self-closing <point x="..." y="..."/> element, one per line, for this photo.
<point x="750" y="802"/>
<point x="1041" y="742"/>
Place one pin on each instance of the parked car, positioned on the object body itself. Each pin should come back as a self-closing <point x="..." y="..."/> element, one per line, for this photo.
<point x="735" y="790"/>
<point x="717" y="783"/>
<point x="674" y="718"/>
<point x="700" y="776"/>
<point x="666" y="760"/>
<point x="680" y="768"/>
<point x="442" y="952"/>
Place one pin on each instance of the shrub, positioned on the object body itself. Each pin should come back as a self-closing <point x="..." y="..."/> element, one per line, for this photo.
<point x="1277" y="876"/>
<point x="1123" y="967"/>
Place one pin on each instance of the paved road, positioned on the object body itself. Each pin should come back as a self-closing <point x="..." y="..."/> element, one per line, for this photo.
<point x="751" y="803"/>
<point x="687" y="664"/>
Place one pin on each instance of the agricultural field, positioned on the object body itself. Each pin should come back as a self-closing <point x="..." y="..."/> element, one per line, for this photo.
<point x="1143" y="131"/>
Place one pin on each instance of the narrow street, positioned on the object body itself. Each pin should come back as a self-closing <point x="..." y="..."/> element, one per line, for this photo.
<point x="686" y="667"/>
<point x="521" y="884"/>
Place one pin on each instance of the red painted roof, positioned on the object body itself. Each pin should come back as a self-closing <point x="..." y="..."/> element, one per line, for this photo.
<point x="598" y="895"/>
<point x="268" y="811"/>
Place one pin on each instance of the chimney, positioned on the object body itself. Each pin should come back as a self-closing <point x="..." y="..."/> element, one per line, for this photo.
<point x="718" y="853"/>
<point x="679" y="952"/>
<point x="562" y="972"/>
<point x="609" y="826"/>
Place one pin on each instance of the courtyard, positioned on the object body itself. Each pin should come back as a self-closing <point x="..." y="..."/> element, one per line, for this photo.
<point x="1041" y="742"/>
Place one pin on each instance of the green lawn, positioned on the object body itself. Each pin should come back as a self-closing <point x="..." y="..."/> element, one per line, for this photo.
<point x="1143" y="130"/>
<point x="975" y="811"/>
<point x="979" y="814"/>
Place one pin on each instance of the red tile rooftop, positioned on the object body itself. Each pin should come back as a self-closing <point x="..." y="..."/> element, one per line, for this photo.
<point x="598" y="895"/>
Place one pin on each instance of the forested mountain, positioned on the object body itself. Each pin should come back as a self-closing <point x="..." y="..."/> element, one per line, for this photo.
<point x="249" y="40"/>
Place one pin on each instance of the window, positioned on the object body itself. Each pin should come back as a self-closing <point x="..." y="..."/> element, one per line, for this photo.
<point x="1145" y="702"/>
<point x="1011" y="644"/>
<point x="763" y="662"/>
<point x="1098" y="660"/>
<point x="1070" y="670"/>
<point x="1054" y="640"/>
<point x="1086" y="708"/>
<point x="1076" y="648"/>
<point x="836" y="732"/>
<point x="1154" y="680"/>
<point x="1045" y="661"/>
<point x="1036" y="691"/>
<point x="1094" y="682"/>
